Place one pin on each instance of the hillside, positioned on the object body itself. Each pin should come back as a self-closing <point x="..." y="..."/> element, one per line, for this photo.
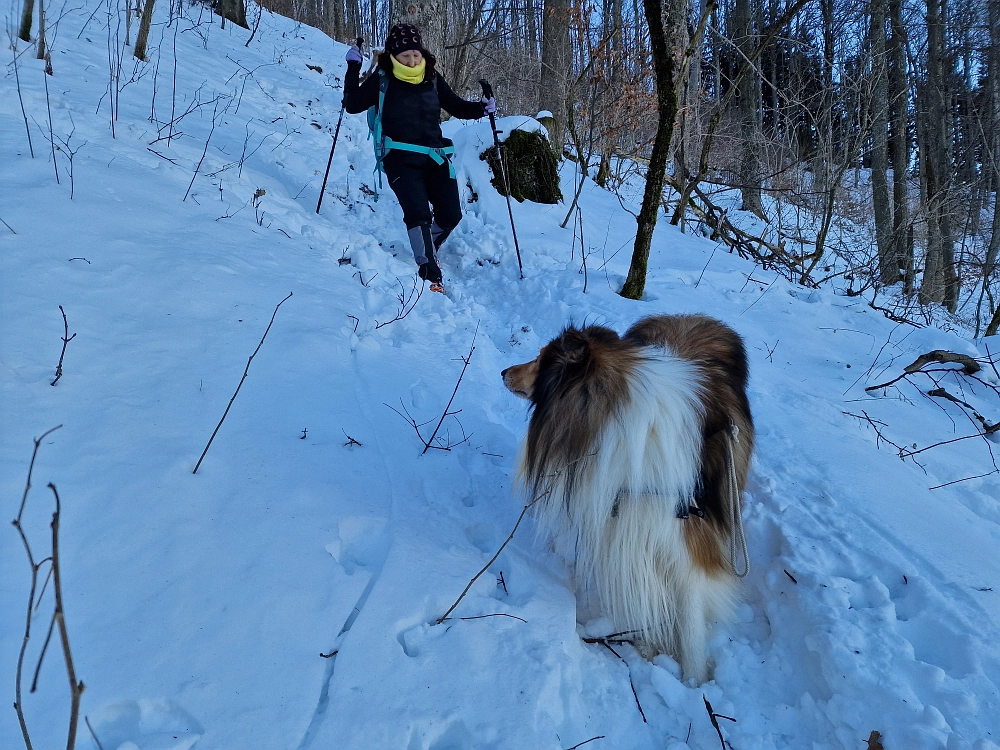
<point x="198" y="605"/>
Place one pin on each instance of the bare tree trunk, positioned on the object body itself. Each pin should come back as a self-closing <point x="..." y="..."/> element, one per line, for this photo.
<point x="716" y="57"/>
<point x="428" y="16"/>
<point x="354" y="28"/>
<point x="826" y="152"/>
<point x="887" y="264"/>
<point x="556" y="61"/>
<point x="666" y="96"/>
<point x="750" y="132"/>
<point x="142" y="37"/>
<point x="677" y="36"/>
<point x="333" y="10"/>
<point x="939" y="284"/>
<point x="900" y="146"/>
<point x="992" y="159"/>
<point x="233" y="10"/>
<point x="532" y="27"/>
<point x="612" y="22"/>
<point x="41" y="30"/>
<point x="27" y="15"/>
<point x="694" y="75"/>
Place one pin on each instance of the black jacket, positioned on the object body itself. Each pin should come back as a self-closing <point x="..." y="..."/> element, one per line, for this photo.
<point x="412" y="112"/>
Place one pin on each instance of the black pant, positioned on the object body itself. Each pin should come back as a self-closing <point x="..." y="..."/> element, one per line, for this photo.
<point x="421" y="185"/>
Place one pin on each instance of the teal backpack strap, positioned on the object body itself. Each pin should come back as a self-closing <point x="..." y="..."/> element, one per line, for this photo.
<point x="375" y="130"/>
<point x="438" y="155"/>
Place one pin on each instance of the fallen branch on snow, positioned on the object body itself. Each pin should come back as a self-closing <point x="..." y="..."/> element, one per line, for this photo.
<point x="58" y="616"/>
<point x="429" y="443"/>
<point x="245" y="373"/>
<point x="493" y="559"/>
<point x="714" y="717"/>
<point x="66" y="339"/>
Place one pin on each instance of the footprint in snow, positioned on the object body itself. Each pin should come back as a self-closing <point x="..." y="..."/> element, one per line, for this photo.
<point x="145" y="725"/>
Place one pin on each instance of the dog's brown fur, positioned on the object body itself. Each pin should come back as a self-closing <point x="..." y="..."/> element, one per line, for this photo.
<point x="592" y="365"/>
<point x="719" y="352"/>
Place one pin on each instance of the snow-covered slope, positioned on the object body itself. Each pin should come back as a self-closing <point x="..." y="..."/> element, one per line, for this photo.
<point x="198" y="605"/>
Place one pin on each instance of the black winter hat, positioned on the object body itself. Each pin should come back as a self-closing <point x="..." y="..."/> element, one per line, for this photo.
<point x="403" y="37"/>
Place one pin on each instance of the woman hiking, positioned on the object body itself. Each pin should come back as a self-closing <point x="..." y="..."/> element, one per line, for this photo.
<point x="417" y="162"/>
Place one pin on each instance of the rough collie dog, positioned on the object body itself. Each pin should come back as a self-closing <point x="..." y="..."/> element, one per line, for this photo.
<point x="637" y="453"/>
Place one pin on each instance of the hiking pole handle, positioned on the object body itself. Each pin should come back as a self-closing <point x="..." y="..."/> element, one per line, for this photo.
<point x="488" y="94"/>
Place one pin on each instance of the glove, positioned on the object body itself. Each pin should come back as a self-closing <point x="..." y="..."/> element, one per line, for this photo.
<point x="354" y="56"/>
<point x="489" y="105"/>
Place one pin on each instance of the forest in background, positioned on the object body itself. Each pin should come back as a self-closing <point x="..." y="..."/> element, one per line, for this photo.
<point x="883" y="114"/>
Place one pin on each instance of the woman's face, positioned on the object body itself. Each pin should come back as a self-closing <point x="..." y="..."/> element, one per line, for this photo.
<point x="411" y="58"/>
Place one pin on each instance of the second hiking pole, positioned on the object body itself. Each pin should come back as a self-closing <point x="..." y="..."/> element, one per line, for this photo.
<point x="488" y="94"/>
<point x="359" y="41"/>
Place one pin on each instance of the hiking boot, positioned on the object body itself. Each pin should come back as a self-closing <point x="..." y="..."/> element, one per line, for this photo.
<point x="430" y="271"/>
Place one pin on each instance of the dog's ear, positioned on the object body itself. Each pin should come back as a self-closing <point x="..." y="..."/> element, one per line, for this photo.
<point x="568" y="359"/>
<point x="575" y="346"/>
<point x="558" y="364"/>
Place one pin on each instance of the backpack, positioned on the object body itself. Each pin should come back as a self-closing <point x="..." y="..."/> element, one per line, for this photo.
<point x="383" y="144"/>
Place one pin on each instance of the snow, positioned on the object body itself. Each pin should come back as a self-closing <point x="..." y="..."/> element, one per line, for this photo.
<point x="198" y="605"/>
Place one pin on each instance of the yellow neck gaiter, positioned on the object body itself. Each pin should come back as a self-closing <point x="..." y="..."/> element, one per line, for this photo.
<point x="407" y="74"/>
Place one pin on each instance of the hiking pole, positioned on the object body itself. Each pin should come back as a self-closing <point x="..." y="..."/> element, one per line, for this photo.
<point x="488" y="93"/>
<point x="359" y="41"/>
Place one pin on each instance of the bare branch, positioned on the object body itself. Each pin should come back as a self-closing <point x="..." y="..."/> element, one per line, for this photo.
<point x="245" y="373"/>
<point x="581" y="744"/>
<point x="76" y="688"/>
<point x="493" y="559"/>
<point x="66" y="339"/>
<point x="407" y="302"/>
<point x="18" y="705"/>
<point x="93" y="733"/>
<point x="635" y="695"/>
<point x="495" y="614"/>
<point x="714" y="718"/>
<point x="466" y="359"/>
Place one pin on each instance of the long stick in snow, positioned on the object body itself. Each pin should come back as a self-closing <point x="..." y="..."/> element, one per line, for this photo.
<point x="492" y="559"/>
<point x="245" y="372"/>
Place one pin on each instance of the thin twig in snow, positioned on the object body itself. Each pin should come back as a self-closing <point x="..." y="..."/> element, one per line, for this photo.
<point x="964" y="479"/>
<point x="407" y="302"/>
<point x="714" y="718"/>
<point x="493" y="559"/>
<point x="35" y="567"/>
<point x="205" y="151"/>
<point x="76" y="687"/>
<point x="66" y="339"/>
<point x="52" y="140"/>
<point x="581" y="744"/>
<point x="495" y="614"/>
<point x="465" y="360"/>
<point x="48" y="637"/>
<point x="93" y="733"/>
<point x="631" y="684"/>
<point x="24" y="114"/>
<point x="245" y="373"/>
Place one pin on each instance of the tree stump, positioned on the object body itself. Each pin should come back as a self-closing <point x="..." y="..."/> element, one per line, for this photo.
<point x="530" y="166"/>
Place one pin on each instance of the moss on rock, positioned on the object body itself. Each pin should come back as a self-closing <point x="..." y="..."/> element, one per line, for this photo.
<point x="531" y="168"/>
